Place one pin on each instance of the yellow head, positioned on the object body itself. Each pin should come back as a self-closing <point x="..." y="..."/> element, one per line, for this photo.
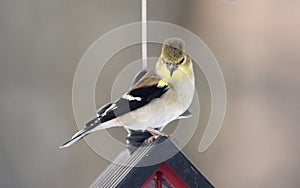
<point x="174" y="62"/>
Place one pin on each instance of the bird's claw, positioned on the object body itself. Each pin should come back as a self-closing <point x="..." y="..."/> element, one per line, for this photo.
<point x="156" y="133"/>
<point x="151" y="139"/>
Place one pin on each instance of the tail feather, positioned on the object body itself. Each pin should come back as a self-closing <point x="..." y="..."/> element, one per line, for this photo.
<point x="90" y="127"/>
<point x="79" y="135"/>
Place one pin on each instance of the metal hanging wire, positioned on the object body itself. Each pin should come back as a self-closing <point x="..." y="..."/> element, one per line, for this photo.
<point x="144" y="34"/>
<point x="144" y="42"/>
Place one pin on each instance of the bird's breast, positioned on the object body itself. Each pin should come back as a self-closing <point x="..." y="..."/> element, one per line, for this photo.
<point x="185" y="91"/>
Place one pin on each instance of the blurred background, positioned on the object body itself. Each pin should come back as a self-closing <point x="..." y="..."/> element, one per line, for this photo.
<point x="256" y="43"/>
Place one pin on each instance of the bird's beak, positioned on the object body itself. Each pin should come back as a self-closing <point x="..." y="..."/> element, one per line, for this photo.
<point x="172" y="68"/>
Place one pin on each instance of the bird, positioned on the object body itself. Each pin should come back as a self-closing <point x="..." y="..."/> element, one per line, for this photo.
<point x="162" y="95"/>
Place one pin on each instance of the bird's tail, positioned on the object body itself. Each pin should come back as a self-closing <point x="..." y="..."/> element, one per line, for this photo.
<point x="77" y="136"/>
<point x="91" y="126"/>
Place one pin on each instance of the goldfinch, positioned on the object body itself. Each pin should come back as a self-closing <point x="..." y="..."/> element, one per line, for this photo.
<point x="162" y="95"/>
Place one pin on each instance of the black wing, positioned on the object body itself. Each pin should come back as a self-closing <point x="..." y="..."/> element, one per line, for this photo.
<point x="135" y="99"/>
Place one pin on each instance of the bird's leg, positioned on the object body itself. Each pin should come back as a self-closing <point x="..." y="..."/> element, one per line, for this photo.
<point x="155" y="134"/>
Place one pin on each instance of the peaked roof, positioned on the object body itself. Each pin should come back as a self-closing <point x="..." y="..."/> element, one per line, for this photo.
<point x="134" y="168"/>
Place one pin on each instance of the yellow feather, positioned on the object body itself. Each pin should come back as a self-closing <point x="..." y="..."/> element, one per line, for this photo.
<point x="162" y="83"/>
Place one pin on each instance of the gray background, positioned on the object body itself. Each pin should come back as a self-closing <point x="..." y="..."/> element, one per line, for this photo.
<point x="256" y="43"/>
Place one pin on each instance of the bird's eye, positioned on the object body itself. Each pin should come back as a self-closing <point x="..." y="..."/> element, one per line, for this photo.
<point x="181" y="61"/>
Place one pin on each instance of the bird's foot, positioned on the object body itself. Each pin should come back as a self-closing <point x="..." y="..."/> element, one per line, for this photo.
<point x="150" y="139"/>
<point x="155" y="134"/>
